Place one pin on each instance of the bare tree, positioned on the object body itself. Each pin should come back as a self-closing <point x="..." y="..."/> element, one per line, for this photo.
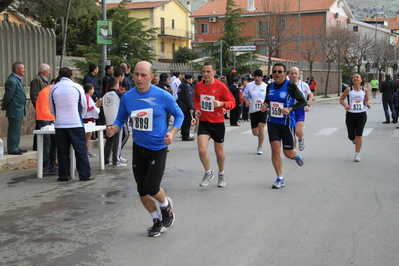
<point x="386" y="54"/>
<point x="64" y="27"/>
<point x="335" y="41"/>
<point x="63" y="10"/>
<point x="276" y="26"/>
<point x="358" y="49"/>
<point x="312" y="47"/>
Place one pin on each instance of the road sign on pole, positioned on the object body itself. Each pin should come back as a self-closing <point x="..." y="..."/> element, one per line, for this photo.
<point x="249" y="48"/>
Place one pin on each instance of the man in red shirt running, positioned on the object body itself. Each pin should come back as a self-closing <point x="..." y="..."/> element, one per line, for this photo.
<point x="211" y="98"/>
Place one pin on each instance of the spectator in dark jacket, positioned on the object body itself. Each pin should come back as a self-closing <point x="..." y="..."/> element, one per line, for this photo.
<point x="164" y="82"/>
<point x="91" y="78"/>
<point x="185" y="94"/>
<point x="39" y="82"/>
<point x="109" y="72"/>
<point x="388" y="87"/>
<point x="235" y="112"/>
<point x="36" y="85"/>
<point x="127" y="82"/>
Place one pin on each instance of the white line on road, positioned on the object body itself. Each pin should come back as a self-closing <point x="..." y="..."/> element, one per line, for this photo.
<point x="247" y="132"/>
<point x="367" y="131"/>
<point x="326" y="131"/>
<point x="395" y="133"/>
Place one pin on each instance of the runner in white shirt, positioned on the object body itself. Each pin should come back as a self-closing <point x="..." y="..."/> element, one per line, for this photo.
<point x="254" y="95"/>
<point x="300" y="114"/>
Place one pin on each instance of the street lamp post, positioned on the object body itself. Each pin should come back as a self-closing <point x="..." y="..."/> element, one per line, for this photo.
<point x="337" y="48"/>
<point x="375" y="40"/>
<point x="299" y="34"/>
<point x="104" y="46"/>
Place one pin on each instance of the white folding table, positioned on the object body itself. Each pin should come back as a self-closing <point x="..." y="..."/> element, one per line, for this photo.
<point x="88" y="128"/>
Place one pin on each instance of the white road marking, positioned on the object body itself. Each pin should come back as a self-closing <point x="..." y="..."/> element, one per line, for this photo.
<point x="395" y="133"/>
<point x="367" y="131"/>
<point x="247" y="132"/>
<point x="326" y="131"/>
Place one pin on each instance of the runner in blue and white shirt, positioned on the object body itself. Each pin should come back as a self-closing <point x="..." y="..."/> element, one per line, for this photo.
<point x="278" y="99"/>
<point x="300" y="114"/>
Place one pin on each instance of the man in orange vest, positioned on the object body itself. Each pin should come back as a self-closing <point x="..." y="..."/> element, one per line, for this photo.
<point x="45" y="118"/>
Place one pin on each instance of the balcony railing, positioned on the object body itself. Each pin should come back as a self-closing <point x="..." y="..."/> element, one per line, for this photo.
<point x="180" y="33"/>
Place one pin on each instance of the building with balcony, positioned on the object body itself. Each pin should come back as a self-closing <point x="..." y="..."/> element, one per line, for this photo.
<point x="170" y="18"/>
<point x="281" y="22"/>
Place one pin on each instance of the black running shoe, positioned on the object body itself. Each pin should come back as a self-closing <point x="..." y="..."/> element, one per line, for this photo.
<point x="168" y="216"/>
<point x="156" y="229"/>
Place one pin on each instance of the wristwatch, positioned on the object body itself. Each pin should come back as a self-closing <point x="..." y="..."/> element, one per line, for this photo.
<point x="290" y="108"/>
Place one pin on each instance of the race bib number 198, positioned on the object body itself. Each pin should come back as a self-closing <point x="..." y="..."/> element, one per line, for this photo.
<point x="142" y="119"/>
<point x="207" y="103"/>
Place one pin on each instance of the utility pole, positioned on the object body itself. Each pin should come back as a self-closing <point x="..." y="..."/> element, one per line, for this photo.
<point x="299" y="34"/>
<point x="104" y="46"/>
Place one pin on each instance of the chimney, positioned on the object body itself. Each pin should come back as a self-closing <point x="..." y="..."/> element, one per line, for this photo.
<point x="397" y="16"/>
<point x="189" y="6"/>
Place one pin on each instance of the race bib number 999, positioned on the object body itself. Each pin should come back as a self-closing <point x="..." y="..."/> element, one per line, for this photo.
<point x="207" y="103"/>
<point x="142" y="119"/>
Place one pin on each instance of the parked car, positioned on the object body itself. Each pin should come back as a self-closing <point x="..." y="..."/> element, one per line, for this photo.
<point x="345" y="86"/>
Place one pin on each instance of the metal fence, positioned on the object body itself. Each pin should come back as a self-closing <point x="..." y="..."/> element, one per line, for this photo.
<point x="31" y="46"/>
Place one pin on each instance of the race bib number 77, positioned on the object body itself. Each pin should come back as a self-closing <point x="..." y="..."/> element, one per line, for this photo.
<point x="142" y="119"/>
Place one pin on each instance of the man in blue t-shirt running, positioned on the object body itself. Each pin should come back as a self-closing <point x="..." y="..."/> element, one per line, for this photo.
<point x="148" y="106"/>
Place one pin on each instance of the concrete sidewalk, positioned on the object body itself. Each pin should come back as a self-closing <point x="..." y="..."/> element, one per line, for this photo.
<point x="27" y="140"/>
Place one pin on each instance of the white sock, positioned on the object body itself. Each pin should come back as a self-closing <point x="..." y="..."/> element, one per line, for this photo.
<point x="208" y="172"/>
<point x="357" y="153"/>
<point x="164" y="204"/>
<point x="280" y="177"/>
<point x="221" y="173"/>
<point x="156" y="215"/>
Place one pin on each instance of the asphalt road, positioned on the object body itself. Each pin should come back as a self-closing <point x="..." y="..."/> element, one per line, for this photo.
<point x="332" y="211"/>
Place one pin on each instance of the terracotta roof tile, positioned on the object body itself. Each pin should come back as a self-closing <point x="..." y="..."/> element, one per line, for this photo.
<point x="393" y="23"/>
<point x="218" y="7"/>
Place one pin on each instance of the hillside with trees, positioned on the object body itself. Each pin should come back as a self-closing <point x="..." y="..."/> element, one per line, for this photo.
<point x="363" y="8"/>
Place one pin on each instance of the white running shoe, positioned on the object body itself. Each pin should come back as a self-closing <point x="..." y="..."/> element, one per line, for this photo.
<point x="90" y="154"/>
<point x="259" y="151"/>
<point x="357" y="158"/>
<point x="221" y="181"/>
<point x="279" y="183"/>
<point x="118" y="165"/>
<point x="301" y="144"/>
<point x="123" y="160"/>
<point x="206" y="179"/>
<point x="299" y="159"/>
